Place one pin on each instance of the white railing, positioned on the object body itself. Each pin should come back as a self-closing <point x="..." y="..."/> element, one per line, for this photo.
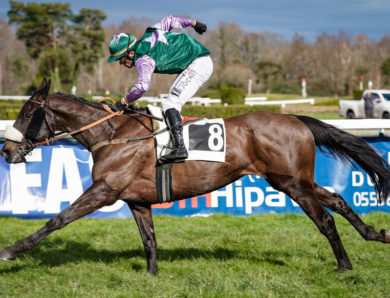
<point x="4" y="124"/>
<point x="283" y="103"/>
<point x="14" y="97"/>
<point x="252" y="101"/>
<point x="360" y="124"/>
<point x="363" y="127"/>
<point x="194" y="100"/>
<point x="375" y="126"/>
<point x="156" y="100"/>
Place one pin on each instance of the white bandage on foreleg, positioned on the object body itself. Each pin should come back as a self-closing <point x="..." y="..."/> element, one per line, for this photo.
<point x="12" y="134"/>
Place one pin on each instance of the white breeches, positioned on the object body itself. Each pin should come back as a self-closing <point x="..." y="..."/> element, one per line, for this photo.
<point x="188" y="82"/>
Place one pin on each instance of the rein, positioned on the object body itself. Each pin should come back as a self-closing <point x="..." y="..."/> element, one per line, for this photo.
<point x="56" y="138"/>
<point x="126" y="141"/>
<point x="27" y="146"/>
<point x="145" y="114"/>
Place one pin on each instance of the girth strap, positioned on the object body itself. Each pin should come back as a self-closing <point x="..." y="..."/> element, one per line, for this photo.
<point x="164" y="183"/>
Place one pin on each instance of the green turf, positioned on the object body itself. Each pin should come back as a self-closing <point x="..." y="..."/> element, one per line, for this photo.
<point x="218" y="256"/>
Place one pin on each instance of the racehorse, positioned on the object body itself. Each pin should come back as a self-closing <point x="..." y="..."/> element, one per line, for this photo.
<point x="278" y="147"/>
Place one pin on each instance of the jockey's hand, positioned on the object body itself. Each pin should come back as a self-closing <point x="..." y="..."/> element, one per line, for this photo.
<point x="200" y="27"/>
<point x="118" y="106"/>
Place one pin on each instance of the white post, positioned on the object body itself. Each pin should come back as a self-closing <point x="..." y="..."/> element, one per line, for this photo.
<point x="249" y="87"/>
<point x="1" y="81"/>
<point x="304" y="93"/>
<point x="361" y="83"/>
<point x="370" y="84"/>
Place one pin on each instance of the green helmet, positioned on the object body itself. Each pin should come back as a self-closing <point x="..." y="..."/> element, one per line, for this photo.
<point x="121" y="44"/>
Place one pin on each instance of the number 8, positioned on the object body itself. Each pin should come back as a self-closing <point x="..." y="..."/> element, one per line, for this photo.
<point x="215" y="131"/>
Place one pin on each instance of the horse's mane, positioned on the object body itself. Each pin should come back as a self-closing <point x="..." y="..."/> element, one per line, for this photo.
<point x="96" y="104"/>
<point x="80" y="99"/>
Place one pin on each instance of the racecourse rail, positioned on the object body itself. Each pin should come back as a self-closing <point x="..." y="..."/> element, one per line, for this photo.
<point x="361" y="127"/>
<point x="251" y="101"/>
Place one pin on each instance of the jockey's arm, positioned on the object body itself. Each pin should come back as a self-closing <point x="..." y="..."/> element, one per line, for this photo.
<point x="145" y="67"/>
<point x="170" y="22"/>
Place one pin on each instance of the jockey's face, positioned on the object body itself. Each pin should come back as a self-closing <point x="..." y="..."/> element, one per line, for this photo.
<point x="127" y="60"/>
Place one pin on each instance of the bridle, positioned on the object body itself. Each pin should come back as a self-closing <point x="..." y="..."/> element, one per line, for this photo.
<point x="27" y="144"/>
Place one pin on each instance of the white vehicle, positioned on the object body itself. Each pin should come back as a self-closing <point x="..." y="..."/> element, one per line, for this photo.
<point x="351" y="109"/>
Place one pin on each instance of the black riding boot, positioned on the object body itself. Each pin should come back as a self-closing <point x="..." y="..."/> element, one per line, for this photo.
<point x="179" y="152"/>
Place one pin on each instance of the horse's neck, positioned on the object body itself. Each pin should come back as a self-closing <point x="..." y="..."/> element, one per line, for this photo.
<point x="72" y="115"/>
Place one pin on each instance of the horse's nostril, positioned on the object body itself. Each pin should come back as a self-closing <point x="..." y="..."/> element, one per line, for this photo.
<point x="5" y="153"/>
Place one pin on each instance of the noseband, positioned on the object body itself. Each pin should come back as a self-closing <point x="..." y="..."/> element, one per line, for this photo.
<point x="27" y="142"/>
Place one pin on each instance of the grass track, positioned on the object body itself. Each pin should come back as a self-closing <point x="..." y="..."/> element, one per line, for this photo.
<point x="219" y="256"/>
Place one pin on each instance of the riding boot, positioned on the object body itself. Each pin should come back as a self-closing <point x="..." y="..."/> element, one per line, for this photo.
<point x="179" y="151"/>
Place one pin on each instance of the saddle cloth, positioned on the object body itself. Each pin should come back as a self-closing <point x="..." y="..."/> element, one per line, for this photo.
<point x="205" y="139"/>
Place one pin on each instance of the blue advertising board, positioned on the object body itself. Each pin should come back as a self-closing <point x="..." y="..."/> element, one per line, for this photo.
<point x="55" y="176"/>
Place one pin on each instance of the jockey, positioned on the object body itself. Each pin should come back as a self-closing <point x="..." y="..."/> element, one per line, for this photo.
<point x="162" y="51"/>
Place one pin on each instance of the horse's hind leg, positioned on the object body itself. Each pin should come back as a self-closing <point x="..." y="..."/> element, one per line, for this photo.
<point x="98" y="195"/>
<point x="336" y="203"/>
<point x="302" y="192"/>
<point x="143" y="217"/>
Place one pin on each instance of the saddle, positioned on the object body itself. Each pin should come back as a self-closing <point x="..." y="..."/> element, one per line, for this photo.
<point x="204" y="140"/>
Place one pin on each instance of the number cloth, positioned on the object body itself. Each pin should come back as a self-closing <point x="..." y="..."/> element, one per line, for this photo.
<point x="205" y="139"/>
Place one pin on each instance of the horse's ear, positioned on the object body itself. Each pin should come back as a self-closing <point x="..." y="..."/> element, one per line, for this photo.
<point x="43" y="84"/>
<point x="48" y="84"/>
<point x="43" y="89"/>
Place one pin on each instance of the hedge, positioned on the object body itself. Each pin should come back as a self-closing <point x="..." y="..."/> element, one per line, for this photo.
<point x="9" y="111"/>
<point x="232" y="95"/>
<point x="224" y="112"/>
<point x="357" y="94"/>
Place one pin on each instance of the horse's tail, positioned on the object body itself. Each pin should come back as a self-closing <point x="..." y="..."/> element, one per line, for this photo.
<point x="351" y="148"/>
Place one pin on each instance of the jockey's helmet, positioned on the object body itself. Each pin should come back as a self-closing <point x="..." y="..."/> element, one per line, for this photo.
<point x="121" y="44"/>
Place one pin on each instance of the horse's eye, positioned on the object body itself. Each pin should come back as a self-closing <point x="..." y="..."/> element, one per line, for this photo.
<point x="27" y="115"/>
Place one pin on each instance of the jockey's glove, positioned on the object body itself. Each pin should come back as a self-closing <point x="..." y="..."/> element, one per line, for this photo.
<point x="118" y="106"/>
<point x="200" y="27"/>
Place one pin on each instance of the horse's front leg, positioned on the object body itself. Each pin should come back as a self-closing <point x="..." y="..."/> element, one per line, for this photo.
<point x="143" y="216"/>
<point x="100" y="194"/>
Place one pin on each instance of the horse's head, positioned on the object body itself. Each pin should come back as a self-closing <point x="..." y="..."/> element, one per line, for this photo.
<point x="34" y="123"/>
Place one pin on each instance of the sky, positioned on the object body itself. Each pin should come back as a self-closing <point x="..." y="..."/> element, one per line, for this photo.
<point x="309" y="18"/>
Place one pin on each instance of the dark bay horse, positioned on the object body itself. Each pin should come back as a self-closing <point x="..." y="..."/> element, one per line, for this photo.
<point x="278" y="147"/>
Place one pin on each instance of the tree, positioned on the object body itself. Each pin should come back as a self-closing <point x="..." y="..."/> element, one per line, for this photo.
<point x="85" y="38"/>
<point x="386" y="66"/>
<point x="228" y="39"/>
<point x="61" y="40"/>
<point x="267" y="70"/>
<point x="39" y="24"/>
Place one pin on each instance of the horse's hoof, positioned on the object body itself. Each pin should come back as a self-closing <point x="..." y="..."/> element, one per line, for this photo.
<point x="342" y="270"/>
<point x="344" y="267"/>
<point x="386" y="236"/>
<point x="7" y="254"/>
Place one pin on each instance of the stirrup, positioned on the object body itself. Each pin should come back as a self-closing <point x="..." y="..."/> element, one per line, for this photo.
<point x="171" y="158"/>
<point x="179" y="160"/>
<point x="166" y="161"/>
